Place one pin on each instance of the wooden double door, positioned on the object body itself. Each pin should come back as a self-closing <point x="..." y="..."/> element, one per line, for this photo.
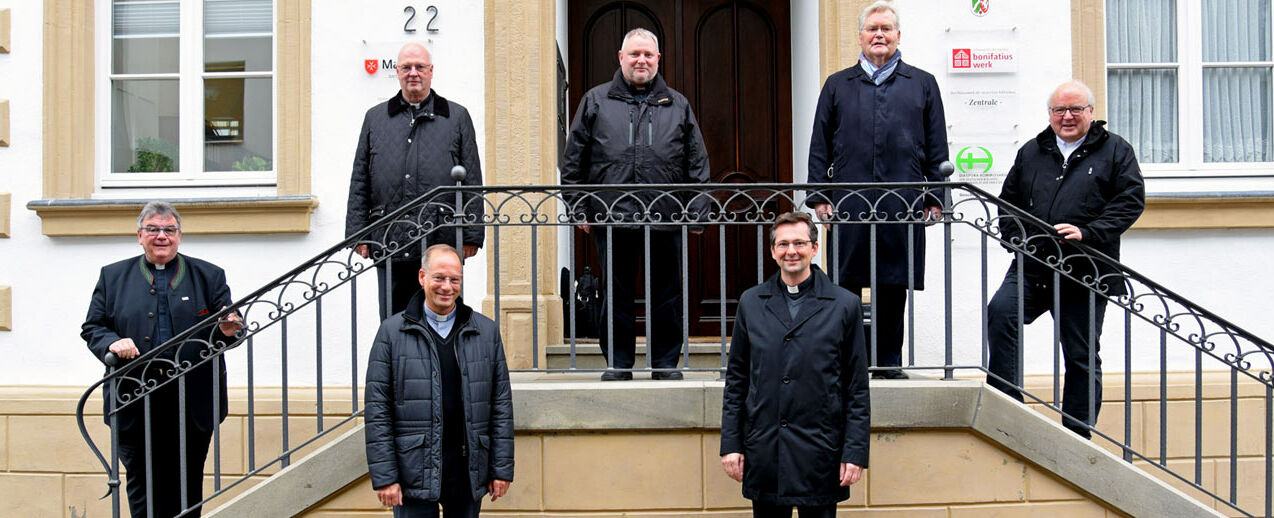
<point x="732" y="60"/>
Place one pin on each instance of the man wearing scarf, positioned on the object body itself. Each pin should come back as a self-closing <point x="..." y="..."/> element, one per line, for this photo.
<point x="879" y="121"/>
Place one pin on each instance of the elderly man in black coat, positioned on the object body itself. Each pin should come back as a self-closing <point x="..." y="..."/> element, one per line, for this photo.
<point x="796" y="413"/>
<point x="1084" y="181"/>
<point x="408" y="146"/>
<point x="138" y="304"/>
<point x="439" y="406"/>
<point x="879" y="121"/>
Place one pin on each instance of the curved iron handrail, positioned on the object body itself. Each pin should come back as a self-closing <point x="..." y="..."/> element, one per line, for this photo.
<point x="452" y="208"/>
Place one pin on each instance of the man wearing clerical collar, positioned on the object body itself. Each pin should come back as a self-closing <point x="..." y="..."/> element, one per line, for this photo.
<point x="138" y="304"/>
<point x="795" y="383"/>
<point x="439" y="406"/>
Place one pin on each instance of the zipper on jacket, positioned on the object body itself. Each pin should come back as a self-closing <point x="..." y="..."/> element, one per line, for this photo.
<point x="630" y="127"/>
<point x="650" y="129"/>
<point x="829" y="171"/>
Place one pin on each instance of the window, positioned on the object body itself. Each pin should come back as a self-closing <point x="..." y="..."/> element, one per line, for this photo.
<point x="1189" y="84"/>
<point x="191" y="93"/>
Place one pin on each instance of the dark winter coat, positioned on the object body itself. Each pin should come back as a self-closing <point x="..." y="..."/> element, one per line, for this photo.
<point x="400" y="158"/>
<point x="124" y="305"/>
<point x="404" y="413"/>
<point x="616" y="140"/>
<point x="796" y="402"/>
<point x="1099" y="189"/>
<point x="864" y="133"/>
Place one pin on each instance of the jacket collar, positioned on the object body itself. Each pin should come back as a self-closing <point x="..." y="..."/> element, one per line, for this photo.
<point x="856" y="72"/>
<point x="775" y="300"/>
<point x="178" y="276"/>
<point x="397" y="104"/>
<point x="659" y="91"/>
<point x="414" y="315"/>
<point x="1096" y="136"/>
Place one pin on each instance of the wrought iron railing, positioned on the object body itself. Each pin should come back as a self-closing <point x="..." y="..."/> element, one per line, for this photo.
<point x="737" y="215"/>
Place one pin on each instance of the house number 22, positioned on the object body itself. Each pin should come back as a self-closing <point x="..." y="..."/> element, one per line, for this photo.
<point x="411" y="16"/>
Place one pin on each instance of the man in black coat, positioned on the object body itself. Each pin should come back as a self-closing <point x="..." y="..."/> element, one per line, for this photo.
<point x="408" y="146"/>
<point x="1084" y="181"/>
<point x="879" y="121"/>
<point x="138" y="304"/>
<point x="439" y="408"/>
<point x="636" y="130"/>
<point x="796" y="413"/>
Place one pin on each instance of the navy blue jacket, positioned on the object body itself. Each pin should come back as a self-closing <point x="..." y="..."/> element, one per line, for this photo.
<point x="124" y="306"/>
<point x="404" y="414"/>
<point x="864" y="133"/>
<point x="1099" y="189"/>
<point x="796" y="401"/>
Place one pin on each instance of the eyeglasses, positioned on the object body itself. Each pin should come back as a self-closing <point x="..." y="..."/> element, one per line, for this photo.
<point x="152" y="230"/>
<point x="799" y="245"/>
<point x="445" y="279"/>
<point x="1075" y="111"/>
<point x="886" y="29"/>
<point x="419" y="68"/>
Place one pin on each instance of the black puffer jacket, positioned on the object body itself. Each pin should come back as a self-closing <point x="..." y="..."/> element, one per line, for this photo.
<point x="616" y="140"/>
<point x="404" y="413"/>
<point x="1099" y="189"/>
<point x="400" y="158"/>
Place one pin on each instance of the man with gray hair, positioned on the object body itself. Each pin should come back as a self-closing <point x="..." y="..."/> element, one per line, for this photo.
<point x="138" y="304"/>
<point x="1085" y="182"/>
<point x="880" y="120"/>
<point x="637" y="130"/>
<point x="408" y="146"/>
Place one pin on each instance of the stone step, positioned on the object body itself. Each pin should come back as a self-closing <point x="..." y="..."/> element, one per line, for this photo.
<point x="588" y="355"/>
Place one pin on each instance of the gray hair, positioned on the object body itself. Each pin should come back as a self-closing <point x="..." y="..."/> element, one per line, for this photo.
<point x="429" y="254"/>
<point x="1092" y="99"/>
<point x="640" y="32"/>
<point x="158" y="208"/>
<point x="876" y="7"/>
<point x="792" y="218"/>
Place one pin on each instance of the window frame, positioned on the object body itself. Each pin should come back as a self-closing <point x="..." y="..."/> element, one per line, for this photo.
<point x="1190" y="111"/>
<point x="190" y="77"/>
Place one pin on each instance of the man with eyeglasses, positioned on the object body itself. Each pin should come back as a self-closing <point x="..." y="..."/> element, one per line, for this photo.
<point x="408" y="146"/>
<point x="138" y="304"/>
<point x="879" y="121"/>
<point x="796" y="412"/>
<point x="1085" y="182"/>
<point x="439" y="405"/>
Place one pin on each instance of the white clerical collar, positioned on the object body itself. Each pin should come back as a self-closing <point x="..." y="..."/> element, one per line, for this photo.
<point x="429" y="313"/>
<point x="793" y="289"/>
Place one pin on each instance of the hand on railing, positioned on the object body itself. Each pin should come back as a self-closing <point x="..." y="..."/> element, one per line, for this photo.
<point x="122" y="348"/>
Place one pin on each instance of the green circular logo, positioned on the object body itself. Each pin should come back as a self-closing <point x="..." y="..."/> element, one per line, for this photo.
<point x="972" y="158"/>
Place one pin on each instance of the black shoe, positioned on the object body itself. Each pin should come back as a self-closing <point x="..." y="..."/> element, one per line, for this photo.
<point x="667" y="375"/>
<point x="614" y="375"/>
<point x="890" y="374"/>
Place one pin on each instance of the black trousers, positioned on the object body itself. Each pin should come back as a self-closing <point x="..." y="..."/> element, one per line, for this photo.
<point x="765" y="510"/>
<point x="404" y="275"/>
<point x="457" y="495"/>
<point x="165" y="495"/>
<point x="1075" y="327"/>
<point x="886" y="322"/>
<point x="628" y="247"/>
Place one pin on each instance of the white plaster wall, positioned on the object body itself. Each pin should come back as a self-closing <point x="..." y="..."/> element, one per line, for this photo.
<point x="52" y="278"/>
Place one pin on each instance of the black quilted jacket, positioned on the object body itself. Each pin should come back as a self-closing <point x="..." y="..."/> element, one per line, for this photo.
<point x="404" y="416"/>
<point x="401" y="157"/>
